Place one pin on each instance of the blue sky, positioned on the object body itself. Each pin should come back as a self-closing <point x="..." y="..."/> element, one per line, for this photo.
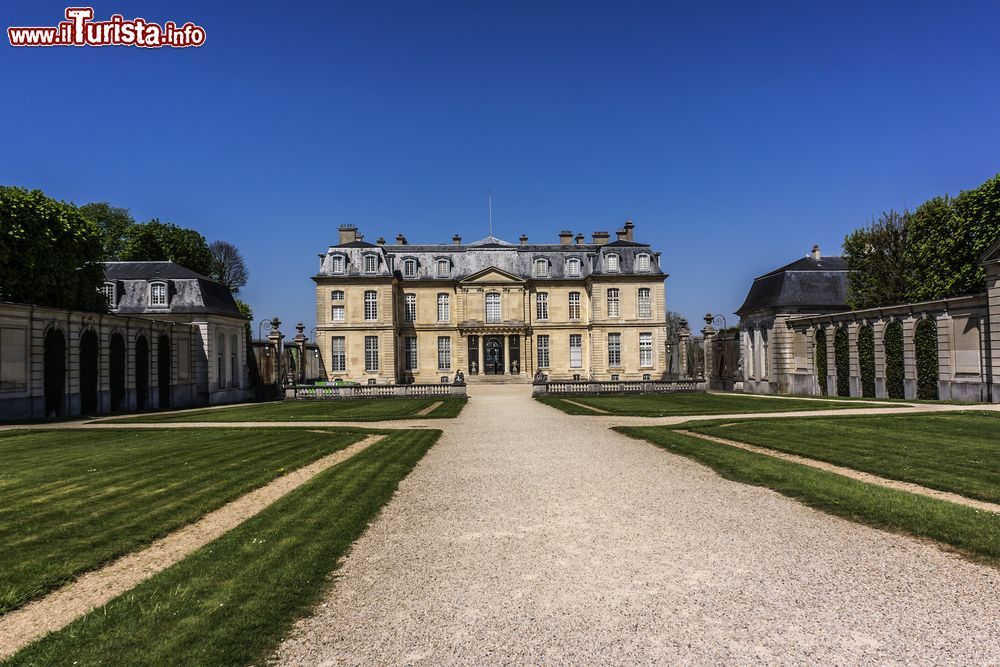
<point x="734" y="134"/>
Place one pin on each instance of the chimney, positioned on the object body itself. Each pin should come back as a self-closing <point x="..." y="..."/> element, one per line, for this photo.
<point x="579" y="239"/>
<point x="621" y="234"/>
<point x="381" y="240"/>
<point x="815" y="253"/>
<point x="456" y="239"/>
<point x="348" y="234"/>
<point x="629" y="226"/>
<point x="600" y="238"/>
<point x="565" y="237"/>
<point x="524" y="239"/>
<point x="400" y="239"/>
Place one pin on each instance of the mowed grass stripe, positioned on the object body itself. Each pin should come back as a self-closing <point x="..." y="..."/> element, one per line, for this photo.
<point x="973" y="533"/>
<point x="361" y="410"/>
<point x="231" y="602"/>
<point x="688" y="403"/>
<point x="953" y="452"/>
<point x="44" y="545"/>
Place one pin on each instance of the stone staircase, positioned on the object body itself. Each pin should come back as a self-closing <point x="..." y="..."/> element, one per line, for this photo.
<point x="521" y="378"/>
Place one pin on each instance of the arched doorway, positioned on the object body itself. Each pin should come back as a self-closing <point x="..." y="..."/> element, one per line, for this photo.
<point x="89" y="358"/>
<point x="163" y="370"/>
<point x="55" y="372"/>
<point x="116" y="363"/>
<point x="141" y="373"/>
<point x="493" y="357"/>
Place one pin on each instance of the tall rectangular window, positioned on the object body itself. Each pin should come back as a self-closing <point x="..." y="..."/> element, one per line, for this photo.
<point x="642" y="262"/>
<point x="542" y="306"/>
<point x="575" y="351"/>
<point x="645" y="303"/>
<point x="543" y="351"/>
<point x="337" y="264"/>
<point x="371" y="263"/>
<point x="645" y="350"/>
<point x="614" y="302"/>
<point x="108" y="290"/>
<point x="158" y="294"/>
<point x="574" y="305"/>
<point x="410" y="308"/>
<point x="573" y="268"/>
<point x="338" y="354"/>
<point x="444" y="308"/>
<point x="410" y="346"/>
<point x="614" y="350"/>
<point x="444" y="353"/>
<point x="371" y="353"/>
<point x="444" y="268"/>
<point x="409" y="268"/>
<point x="541" y="267"/>
<point x="371" y="305"/>
<point x="492" y="307"/>
<point x="612" y="263"/>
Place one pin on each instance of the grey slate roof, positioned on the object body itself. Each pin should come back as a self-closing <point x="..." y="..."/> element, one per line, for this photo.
<point x="804" y="284"/>
<point x="188" y="292"/>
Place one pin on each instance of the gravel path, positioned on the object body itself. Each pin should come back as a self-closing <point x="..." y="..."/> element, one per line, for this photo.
<point x="531" y="536"/>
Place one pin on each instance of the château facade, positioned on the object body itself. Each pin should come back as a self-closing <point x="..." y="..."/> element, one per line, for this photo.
<point x="401" y="313"/>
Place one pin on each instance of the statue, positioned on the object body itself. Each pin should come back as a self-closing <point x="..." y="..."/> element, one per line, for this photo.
<point x="459" y="377"/>
<point x="473" y="368"/>
<point x="513" y="367"/>
<point x="540" y="377"/>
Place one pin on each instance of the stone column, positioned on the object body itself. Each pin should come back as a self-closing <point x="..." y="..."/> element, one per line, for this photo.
<point x="709" y="333"/>
<point x="506" y="356"/>
<point x="300" y="343"/>
<point x="682" y="343"/>
<point x="274" y="340"/>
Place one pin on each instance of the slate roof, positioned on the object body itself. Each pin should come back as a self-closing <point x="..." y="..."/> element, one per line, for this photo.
<point x="188" y="292"/>
<point x="804" y="284"/>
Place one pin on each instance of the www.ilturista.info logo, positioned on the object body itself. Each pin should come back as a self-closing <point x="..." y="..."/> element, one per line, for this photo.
<point x="79" y="29"/>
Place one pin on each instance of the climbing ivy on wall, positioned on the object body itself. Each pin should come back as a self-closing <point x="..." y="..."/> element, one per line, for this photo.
<point x="866" y="359"/>
<point x="925" y="341"/>
<point x="893" y="343"/>
<point x="820" y="352"/>
<point x="842" y="360"/>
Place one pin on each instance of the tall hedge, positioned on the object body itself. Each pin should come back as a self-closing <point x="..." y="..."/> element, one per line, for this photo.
<point x="925" y="341"/>
<point x="892" y="340"/>
<point x="842" y="360"/>
<point x="820" y="355"/>
<point x="866" y="359"/>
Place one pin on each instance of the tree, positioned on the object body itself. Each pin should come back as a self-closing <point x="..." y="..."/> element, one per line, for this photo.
<point x="114" y="224"/>
<point x="674" y="320"/>
<point x="228" y="266"/>
<point x="50" y="254"/>
<point x="878" y="258"/>
<point x="158" y="241"/>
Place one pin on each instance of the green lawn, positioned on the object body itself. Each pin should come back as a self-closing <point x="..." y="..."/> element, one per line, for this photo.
<point x="71" y="500"/>
<point x="971" y="532"/>
<point x="360" y="410"/>
<point x="231" y="602"/>
<point x="669" y="405"/>
<point x="957" y="452"/>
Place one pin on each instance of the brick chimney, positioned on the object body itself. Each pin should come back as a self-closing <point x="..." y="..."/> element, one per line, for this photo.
<point x="629" y="227"/>
<point x="524" y="239"/>
<point x="816" y="254"/>
<point x="348" y="234"/>
<point x="579" y="239"/>
<point x="400" y="239"/>
<point x="600" y="238"/>
<point x="621" y="234"/>
<point x="456" y="239"/>
<point x="565" y="237"/>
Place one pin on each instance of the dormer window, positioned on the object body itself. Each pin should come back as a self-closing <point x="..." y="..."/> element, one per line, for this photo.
<point x="573" y="267"/>
<point x="611" y="261"/>
<point x="158" y="295"/>
<point x="108" y="290"/>
<point x="642" y="262"/>
<point x="409" y="268"/>
<point x="371" y="263"/>
<point x="337" y="264"/>
<point x="541" y="267"/>
<point x="443" y="268"/>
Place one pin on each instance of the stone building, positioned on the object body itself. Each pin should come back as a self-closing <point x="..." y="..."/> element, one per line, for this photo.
<point x="400" y="313"/>
<point x="171" y="338"/>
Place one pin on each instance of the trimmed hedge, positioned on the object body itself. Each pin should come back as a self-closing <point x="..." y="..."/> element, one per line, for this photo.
<point x="866" y="359"/>
<point x="894" y="374"/>
<point x="821" y="366"/>
<point x="842" y="361"/>
<point x="925" y="341"/>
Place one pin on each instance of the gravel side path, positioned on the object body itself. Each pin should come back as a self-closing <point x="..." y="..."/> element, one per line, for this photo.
<point x="531" y="536"/>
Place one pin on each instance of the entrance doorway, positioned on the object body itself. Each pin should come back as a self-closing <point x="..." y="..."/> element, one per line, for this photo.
<point x="493" y="355"/>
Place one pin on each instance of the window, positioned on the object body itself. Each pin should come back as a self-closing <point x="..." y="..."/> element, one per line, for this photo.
<point x="543" y="351"/>
<point x="645" y="304"/>
<point x="410" y="308"/>
<point x="611" y="261"/>
<point x="444" y="353"/>
<point x="492" y="307"/>
<point x="220" y="363"/>
<point x="371" y="263"/>
<point x="371" y="305"/>
<point x="542" y="306"/>
<point x="443" y="268"/>
<point x="233" y="375"/>
<point x="410" y="347"/>
<point x="337" y="264"/>
<point x="13" y="359"/>
<point x="371" y="353"/>
<point x="444" y="308"/>
<point x="541" y="267"/>
<point x="337" y="308"/>
<point x="614" y="302"/>
<point x="645" y="350"/>
<point x="574" y="305"/>
<point x="158" y="295"/>
<point x="338" y="354"/>
<point x="573" y="268"/>
<point x="108" y="290"/>
<point x="614" y="350"/>
<point x="575" y="351"/>
<point x="409" y="268"/>
<point x="642" y="262"/>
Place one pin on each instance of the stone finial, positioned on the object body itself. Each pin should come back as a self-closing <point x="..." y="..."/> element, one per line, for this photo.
<point x="400" y="239"/>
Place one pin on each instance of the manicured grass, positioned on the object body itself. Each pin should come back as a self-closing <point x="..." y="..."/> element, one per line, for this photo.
<point x="973" y="533"/>
<point x="669" y="405"/>
<point x="361" y="410"/>
<point x="231" y="602"/>
<point x="71" y="500"/>
<point x="957" y="452"/>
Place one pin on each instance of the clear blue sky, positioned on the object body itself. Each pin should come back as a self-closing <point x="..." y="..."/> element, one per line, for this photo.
<point x="734" y="134"/>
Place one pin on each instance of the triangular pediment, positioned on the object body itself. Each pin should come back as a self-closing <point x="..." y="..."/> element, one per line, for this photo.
<point x="492" y="275"/>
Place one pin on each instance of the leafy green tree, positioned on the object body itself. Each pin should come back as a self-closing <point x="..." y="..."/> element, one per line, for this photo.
<point x="878" y="258"/>
<point x="114" y="224"/>
<point x="50" y="254"/>
<point x="158" y="241"/>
